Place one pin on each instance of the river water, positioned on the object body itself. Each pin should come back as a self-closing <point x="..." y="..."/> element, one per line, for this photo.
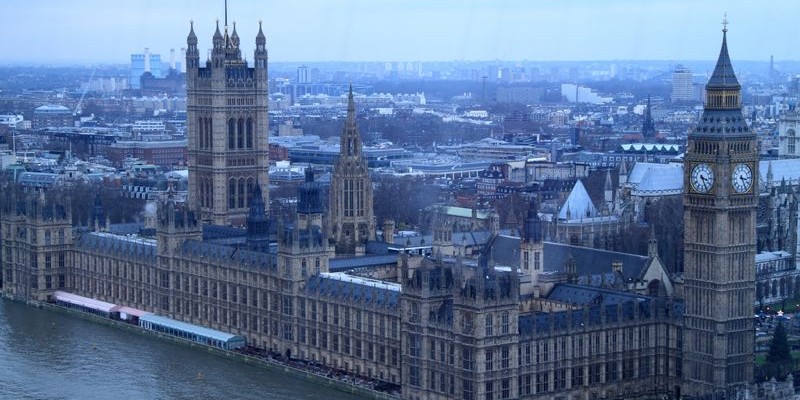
<point x="47" y="355"/>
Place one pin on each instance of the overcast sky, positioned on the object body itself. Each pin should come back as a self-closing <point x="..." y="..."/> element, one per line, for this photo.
<point x="388" y="30"/>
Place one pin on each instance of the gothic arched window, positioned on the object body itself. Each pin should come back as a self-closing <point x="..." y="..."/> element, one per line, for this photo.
<point x="241" y="195"/>
<point x="232" y="194"/>
<point x="250" y="133"/>
<point x="240" y="136"/>
<point x="790" y="141"/>
<point x="231" y="133"/>
<point x="201" y="127"/>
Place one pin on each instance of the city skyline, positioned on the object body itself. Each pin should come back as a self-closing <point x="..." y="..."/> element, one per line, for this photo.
<point x="411" y="30"/>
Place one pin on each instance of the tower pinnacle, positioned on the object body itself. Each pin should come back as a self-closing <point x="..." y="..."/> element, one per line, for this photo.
<point x="725" y="23"/>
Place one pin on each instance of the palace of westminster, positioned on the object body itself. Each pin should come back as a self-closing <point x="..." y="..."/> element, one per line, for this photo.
<point x="500" y="325"/>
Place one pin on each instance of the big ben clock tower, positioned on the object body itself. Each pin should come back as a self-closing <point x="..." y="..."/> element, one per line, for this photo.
<point x="720" y="200"/>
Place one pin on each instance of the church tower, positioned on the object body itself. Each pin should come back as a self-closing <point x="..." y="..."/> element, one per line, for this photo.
<point x="648" y="126"/>
<point x="226" y="121"/>
<point x="351" y="221"/>
<point x="719" y="203"/>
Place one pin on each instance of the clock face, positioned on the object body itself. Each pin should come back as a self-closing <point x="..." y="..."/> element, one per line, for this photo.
<point x="702" y="178"/>
<point x="742" y="178"/>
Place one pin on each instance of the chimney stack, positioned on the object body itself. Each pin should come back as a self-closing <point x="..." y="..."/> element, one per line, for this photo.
<point x="171" y="58"/>
<point x="388" y="231"/>
<point x="616" y="266"/>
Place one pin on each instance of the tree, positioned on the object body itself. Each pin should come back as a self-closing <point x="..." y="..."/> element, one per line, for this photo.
<point x="401" y="199"/>
<point x="779" y="358"/>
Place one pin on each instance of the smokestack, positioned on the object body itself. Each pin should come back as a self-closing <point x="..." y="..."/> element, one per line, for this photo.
<point x="171" y="58"/>
<point x="146" y="59"/>
<point x="183" y="57"/>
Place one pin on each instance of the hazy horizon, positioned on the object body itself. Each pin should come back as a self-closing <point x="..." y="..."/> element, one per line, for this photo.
<point x="89" y="31"/>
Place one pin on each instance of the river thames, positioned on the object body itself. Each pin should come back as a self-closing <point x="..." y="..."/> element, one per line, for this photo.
<point x="47" y="355"/>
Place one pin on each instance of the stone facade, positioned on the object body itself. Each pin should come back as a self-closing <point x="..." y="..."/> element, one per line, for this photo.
<point x="788" y="128"/>
<point x="352" y="222"/>
<point x="500" y="324"/>
<point x="720" y="201"/>
<point x="226" y="122"/>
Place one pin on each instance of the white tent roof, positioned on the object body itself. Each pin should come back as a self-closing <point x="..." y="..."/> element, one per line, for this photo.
<point x="578" y="204"/>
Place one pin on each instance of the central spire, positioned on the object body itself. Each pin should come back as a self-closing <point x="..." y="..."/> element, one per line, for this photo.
<point x="723" y="76"/>
<point x="351" y="106"/>
<point x="351" y="140"/>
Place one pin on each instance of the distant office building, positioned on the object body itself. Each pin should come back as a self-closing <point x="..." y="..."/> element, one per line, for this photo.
<point x="163" y="152"/>
<point x="289" y="129"/>
<point x="682" y="88"/>
<point x="302" y="74"/>
<point x="141" y="63"/>
<point x="50" y="115"/>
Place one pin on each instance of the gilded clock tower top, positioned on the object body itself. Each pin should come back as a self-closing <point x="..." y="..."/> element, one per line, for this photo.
<point x="722" y="114"/>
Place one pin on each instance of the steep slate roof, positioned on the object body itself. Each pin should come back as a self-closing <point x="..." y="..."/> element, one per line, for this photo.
<point x="211" y="232"/>
<point x="357" y="290"/>
<point x="593" y="265"/>
<point x="367" y="261"/>
<point x="541" y="322"/>
<point x="589" y="261"/>
<point x="221" y="253"/>
<point x="130" y="228"/>
<point x="723" y="76"/>
<point x="504" y="251"/>
<point x="651" y="179"/>
<point x="119" y="245"/>
<point x="585" y="295"/>
<point x="579" y="204"/>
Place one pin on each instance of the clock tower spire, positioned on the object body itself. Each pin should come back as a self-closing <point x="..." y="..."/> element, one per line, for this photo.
<point x="720" y="200"/>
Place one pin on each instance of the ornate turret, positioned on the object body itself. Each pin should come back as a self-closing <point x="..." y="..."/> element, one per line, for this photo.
<point x="351" y="139"/>
<point x="533" y="225"/>
<point x="652" y="243"/>
<point x="234" y="36"/>
<point x="192" y="54"/>
<point x="608" y="194"/>
<point x="260" y="55"/>
<point x="232" y="52"/>
<point x="191" y="40"/>
<point x="176" y="223"/>
<point x="257" y="222"/>
<point x="309" y="201"/>
<point x="98" y="217"/>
